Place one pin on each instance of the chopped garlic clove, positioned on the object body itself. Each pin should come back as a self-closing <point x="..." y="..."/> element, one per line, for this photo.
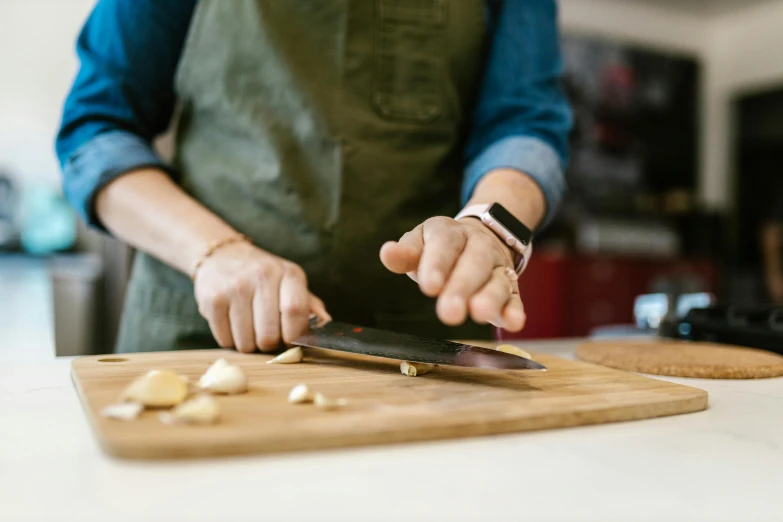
<point x="292" y="356"/>
<point x="300" y="394"/>
<point x="223" y="377"/>
<point x="325" y="403"/>
<point x="200" y="410"/>
<point x="414" y="369"/>
<point x="513" y="350"/>
<point x="156" y="389"/>
<point x="123" y="411"/>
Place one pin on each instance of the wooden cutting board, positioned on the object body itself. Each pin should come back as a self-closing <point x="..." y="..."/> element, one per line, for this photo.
<point x="384" y="406"/>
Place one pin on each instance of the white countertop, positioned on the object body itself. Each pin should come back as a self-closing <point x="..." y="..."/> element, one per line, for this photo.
<point x="723" y="464"/>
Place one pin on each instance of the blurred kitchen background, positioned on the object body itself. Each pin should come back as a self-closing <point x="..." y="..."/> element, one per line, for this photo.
<point x="679" y="131"/>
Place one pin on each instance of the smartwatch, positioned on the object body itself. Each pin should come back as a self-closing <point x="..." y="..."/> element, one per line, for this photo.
<point x="509" y="229"/>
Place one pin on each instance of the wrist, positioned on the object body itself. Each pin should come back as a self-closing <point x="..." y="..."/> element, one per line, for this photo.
<point x="516" y="191"/>
<point x="225" y="245"/>
<point x="476" y="223"/>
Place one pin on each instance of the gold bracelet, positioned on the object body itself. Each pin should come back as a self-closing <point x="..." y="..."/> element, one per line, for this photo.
<point x="213" y="247"/>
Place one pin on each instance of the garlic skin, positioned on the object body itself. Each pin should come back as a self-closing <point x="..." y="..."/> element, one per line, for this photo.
<point x="223" y="377"/>
<point x="325" y="403"/>
<point x="123" y="411"/>
<point x="414" y="369"/>
<point x="156" y="389"/>
<point x="513" y="350"/>
<point x="300" y="394"/>
<point x="292" y="356"/>
<point x="203" y="409"/>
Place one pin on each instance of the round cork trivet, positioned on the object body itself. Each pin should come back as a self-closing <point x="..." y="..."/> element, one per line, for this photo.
<point x="683" y="359"/>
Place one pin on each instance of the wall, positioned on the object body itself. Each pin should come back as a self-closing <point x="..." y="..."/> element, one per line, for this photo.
<point x="642" y="24"/>
<point x="740" y="52"/>
<point x="37" y="64"/>
<point x="743" y="56"/>
<point x="665" y="29"/>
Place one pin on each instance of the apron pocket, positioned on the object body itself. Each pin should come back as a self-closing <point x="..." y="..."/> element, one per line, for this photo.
<point x="410" y="59"/>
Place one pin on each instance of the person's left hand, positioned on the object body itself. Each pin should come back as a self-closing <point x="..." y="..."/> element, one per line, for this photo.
<point x="465" y="265"/>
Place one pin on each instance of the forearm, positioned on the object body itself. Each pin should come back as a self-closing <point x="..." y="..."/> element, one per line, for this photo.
<point x="522" y="119"/>
<point x="147" y="210"/>
<point x="516" y="191"/>
<point x="772" y="244"/>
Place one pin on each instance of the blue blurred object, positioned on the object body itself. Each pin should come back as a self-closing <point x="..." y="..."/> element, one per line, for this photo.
<point x="48" y="223"/>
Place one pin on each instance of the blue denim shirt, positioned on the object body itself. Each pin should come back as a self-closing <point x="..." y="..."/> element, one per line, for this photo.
<point x="123" y="97"/>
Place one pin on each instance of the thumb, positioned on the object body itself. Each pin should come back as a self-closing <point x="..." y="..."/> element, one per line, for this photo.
<point x="318" y="308"/>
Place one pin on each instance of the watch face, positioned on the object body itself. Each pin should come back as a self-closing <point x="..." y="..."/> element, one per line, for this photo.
<point x="505" y="218"/>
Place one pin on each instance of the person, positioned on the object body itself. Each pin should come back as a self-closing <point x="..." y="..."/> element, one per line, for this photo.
<point x="322" y="151"/>
<point x="772" y="249"/>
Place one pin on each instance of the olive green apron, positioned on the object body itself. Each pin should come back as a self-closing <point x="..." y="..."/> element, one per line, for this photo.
<point x="320" y="129"/>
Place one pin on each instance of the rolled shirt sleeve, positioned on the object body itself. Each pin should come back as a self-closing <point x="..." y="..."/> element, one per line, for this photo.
<point x="522" y="118"/>
<point x="122" y="96"/>
<point x="101" y="160"/>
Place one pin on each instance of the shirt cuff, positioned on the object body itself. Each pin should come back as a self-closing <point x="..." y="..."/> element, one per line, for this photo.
<point x="530" y="155"/>
<point x="99" y="162"/>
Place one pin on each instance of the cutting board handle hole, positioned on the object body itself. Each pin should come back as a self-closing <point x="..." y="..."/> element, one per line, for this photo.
<point x="113" y="359"/>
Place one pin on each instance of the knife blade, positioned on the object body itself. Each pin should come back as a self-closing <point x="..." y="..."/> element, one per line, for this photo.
<point x="404" y="347"/>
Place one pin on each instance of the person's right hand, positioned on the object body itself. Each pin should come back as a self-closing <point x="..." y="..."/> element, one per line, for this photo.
<point x="254" y="300"/>
<point x="775" y="287"/>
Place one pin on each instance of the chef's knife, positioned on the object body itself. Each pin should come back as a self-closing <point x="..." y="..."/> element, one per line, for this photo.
<point x="404" y="347"/>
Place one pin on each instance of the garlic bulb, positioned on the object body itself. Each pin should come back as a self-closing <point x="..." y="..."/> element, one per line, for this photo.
<point x="513" y="350"/>
<point x="292" y="356"/>
<point x="413" y="369"/>
<point x="156" y="389"/>
<point x="324" y="403"/>
<point x="223" y="377"/>
<point x="300" y="394"/>
<point x="123" y="411"/>
<point x="201" y="410"/>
